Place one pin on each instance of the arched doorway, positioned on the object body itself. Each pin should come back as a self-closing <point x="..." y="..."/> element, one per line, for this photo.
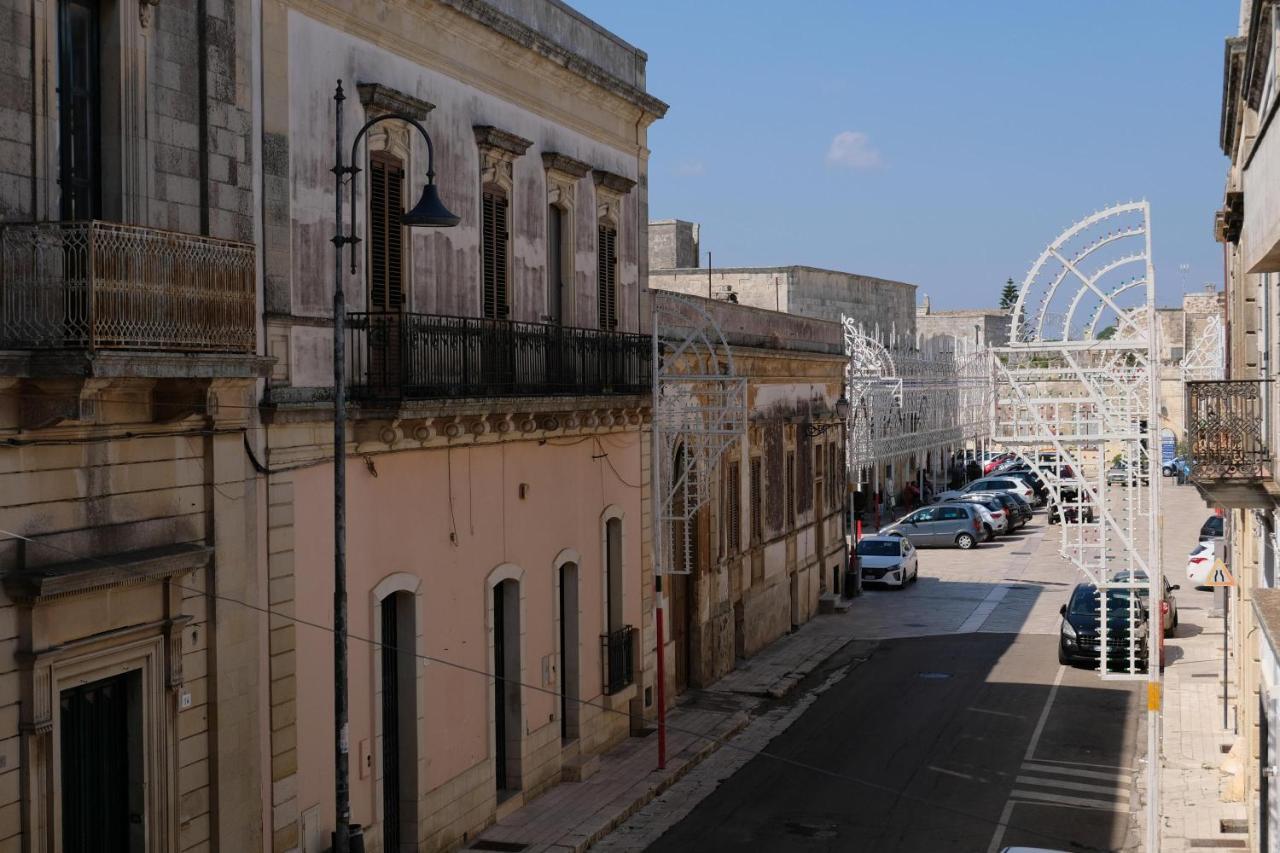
<point x="399" y="713"/>
<point x="570" y="651"/>
<point x="507" y="711"/>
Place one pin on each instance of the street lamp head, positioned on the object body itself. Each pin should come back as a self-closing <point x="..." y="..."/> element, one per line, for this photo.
<point x="430" y="211"/>
<point x="842" y="408"/>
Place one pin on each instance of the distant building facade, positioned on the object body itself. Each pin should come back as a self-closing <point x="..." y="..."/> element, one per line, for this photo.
<point x="973" y="327"/>
<point x="1181" y="331"/>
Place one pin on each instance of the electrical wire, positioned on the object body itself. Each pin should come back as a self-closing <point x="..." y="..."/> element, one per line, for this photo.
<point x="600" y="706"/>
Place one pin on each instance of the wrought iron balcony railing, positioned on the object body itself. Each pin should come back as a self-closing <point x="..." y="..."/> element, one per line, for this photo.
<point x="618" y="656"/>
<point x="400" y="356"/>
<point x="1224" y="431"/>
<point x="99" y="285"/>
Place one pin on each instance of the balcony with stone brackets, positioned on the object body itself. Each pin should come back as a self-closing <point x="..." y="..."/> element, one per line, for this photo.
<point x="89" y="304"/>
<point x="1230" y="462"/>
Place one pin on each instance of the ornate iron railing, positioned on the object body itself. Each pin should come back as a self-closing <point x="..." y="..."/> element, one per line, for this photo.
<point x="401" y="356"/>
<point x="1224" y="430"/>
<point x="618" y="657"/>
<point x="99" y="285"/>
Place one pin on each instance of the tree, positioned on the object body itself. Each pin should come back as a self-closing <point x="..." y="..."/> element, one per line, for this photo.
<point x="1107" y="334"/>
<point x="1008" y="296"/>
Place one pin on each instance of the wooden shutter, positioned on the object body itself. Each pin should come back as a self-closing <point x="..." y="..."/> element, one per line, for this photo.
<point x="790" y="488"/>
<point x="732" y="509"/>
<point x="757" y="521"/>
<point x="607" y="276"/>
<point x="386" y="251"/>
<point x="819" y="466"/>
<point x="494" y="238"/>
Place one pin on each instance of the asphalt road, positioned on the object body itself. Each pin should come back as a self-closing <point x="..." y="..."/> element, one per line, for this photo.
<point x="954" y="733"/>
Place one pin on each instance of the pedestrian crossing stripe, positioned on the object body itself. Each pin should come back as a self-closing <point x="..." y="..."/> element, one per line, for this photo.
<point x="1221" y="576"/>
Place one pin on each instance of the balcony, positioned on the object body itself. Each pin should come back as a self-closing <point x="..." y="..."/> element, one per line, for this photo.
<point x="99" y="286"/>
<point x="396" y="356"/>
<point x="618" y="657"/>
<point x="1229" y="460"/>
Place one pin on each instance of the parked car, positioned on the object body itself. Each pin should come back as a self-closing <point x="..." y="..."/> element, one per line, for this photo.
<point x="1173" y="466"/>
<point x="1074" y="505"/>
<point x="1034" y="481"/>
<point x="1049" y="470"/>
<point x="1212" y="528"/>
<point x="1168" y="604"/>
<point x="993" y="484"/>
<point x="1078" y="639"/>
<point x="994" y="520"/>
<point x="1200" y="562"/>
<point x="1016" y="507"/>
<point x="889" y="560"/>
<point x="955" y="524"/>
<point x="996" y="461"/>
<point x="1123" y="473"/>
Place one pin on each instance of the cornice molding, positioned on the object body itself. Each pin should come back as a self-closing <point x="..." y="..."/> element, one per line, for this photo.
<point x="386" y="99"/>
<point x="488" y="136"/>
<point x="555" y="161"/>
<point x="612" y="181"/>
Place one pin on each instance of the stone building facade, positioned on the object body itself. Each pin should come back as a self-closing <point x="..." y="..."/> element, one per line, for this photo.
<point x="801" y="290"/>
<point x="771" y="540"/>
<point x="1248" y="226"/>
<point x="1181" y="330"/>
<point x="130" y="354"/>
<point x="497" y="436"/>
<point x="971" y="327"/>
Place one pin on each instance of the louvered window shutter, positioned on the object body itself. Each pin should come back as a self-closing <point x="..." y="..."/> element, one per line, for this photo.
<point x="386" y="252"/>
<point x="607" y="276"/>
<point x="494" y="250"/>
<point x="757" y="494"/>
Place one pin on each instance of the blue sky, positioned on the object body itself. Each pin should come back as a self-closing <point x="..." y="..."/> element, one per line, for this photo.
<point x="939" y="143"/>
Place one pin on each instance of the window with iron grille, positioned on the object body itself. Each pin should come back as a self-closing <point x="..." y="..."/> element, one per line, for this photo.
<point x="386" y="252"/>
<point x="757" y="497"/>
<point x="732" y="504"/>
<point x="607" y="275"/>
<point x="494" y="238"/>
<point x="790" y="488"/>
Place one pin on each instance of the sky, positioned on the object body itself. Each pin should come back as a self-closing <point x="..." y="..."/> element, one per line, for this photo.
<point x="938" y="143"/>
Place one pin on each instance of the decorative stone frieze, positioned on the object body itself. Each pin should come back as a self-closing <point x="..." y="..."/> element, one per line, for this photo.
<point x="380" y="98"/>
<point x="612" y="181"/>
<point x="567" y="166"/>
<point x="498" y="151"/>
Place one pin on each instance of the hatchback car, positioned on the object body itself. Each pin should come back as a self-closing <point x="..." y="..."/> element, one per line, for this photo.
<point x="888" y="560"/>
<point x="1200" y="562"/>
<point x="1016" y="507"/>
<point x="1168" y="604"/>
<point x="995" y="521"/>
<point x="955" y="524"/>
<point x="1079" y="635"/>
<point x="1211" y="528"/>
<point x="994" y="484"/>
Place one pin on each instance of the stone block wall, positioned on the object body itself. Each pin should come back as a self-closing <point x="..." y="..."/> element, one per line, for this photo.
<point x="673" y="244"/>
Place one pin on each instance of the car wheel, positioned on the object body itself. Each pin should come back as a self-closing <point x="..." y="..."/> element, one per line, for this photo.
<point x="965" y="541"/>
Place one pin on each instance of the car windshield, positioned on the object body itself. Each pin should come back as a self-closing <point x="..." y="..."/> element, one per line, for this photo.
<point x="879" y="548"/>
<point x="1085" y="600"/>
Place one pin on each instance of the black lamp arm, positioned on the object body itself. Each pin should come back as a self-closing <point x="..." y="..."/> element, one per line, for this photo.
<point x="353" y="169"/>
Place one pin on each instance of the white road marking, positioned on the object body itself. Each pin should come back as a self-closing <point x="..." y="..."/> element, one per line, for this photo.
<point x="1001" y="827"/>
<point x="983" y="610"/>
<point x="1079" y="802"/>
<point x="1039" y="767"/>
<point x="955" y="773"/>
<point x="1070" y="786"/>
<point x="1087" y="764"/>
<point x="995" y="713"/>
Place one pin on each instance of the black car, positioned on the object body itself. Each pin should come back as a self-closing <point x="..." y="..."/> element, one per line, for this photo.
<point x="1034" y="480"/>
<point x="1212" y="528"/>
<point x="1072" y="507"/>
<point x="1078" y="638"/>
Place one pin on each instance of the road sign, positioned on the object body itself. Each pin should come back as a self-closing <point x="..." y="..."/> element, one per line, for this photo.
<point x="1168" y="446"/>
<point x="1220" y="576"/>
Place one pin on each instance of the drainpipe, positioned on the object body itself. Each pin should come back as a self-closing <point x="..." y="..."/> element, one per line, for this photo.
<point x="202" y="77"/>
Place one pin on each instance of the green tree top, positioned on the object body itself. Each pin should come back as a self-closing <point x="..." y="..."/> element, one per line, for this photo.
<point x="1009" y="295"/>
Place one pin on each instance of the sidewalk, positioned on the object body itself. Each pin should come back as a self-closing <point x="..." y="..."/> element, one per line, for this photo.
<point x="1193" y="787"/>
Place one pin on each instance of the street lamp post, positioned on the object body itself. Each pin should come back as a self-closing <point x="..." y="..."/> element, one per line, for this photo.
<point x="428" y="212"/>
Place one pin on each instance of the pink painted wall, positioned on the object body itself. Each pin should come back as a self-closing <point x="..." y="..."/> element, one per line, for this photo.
<point x="400" y="521"/>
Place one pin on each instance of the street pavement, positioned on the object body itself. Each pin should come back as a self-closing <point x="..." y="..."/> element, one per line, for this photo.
<point x="947" y="725"/>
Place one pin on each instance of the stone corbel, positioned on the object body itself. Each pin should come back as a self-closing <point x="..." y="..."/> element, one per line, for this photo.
<point x="145" y="8"/>
<point x="498" y="151"/>
<point x="49" y="403"/>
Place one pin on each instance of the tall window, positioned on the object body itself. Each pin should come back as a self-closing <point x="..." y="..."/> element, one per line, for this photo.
<point x="732" y="505"/>
<point x="495" y="236"/>
<point x="790" y="487"/>
<point x="819" y="465"/>
<point x="607" y="276"/>
<point x="555" y="264"/>
<point x="79" y="109"/>
<point x="386" y="251"/>
<point x="757" y="496"/>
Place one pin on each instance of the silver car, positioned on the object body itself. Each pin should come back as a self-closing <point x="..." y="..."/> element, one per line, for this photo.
<point x="958" y="524"/>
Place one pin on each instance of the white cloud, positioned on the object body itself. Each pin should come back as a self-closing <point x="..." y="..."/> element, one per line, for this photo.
<point x="852" y="149"/>
<point x="691" y="168"/>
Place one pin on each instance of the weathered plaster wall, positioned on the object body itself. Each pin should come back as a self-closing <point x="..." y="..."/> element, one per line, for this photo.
<point x="976" y="328"/>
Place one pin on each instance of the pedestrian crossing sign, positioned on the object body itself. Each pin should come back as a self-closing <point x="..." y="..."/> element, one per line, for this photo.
<point x="1220" y="575"/>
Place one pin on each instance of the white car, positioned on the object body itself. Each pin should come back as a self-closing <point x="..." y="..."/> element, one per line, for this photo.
<point x="1200" y="563"/>
<point x="888" y="560"/>
<point x="996" y="525"/>
<point x="992" y="483"/>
